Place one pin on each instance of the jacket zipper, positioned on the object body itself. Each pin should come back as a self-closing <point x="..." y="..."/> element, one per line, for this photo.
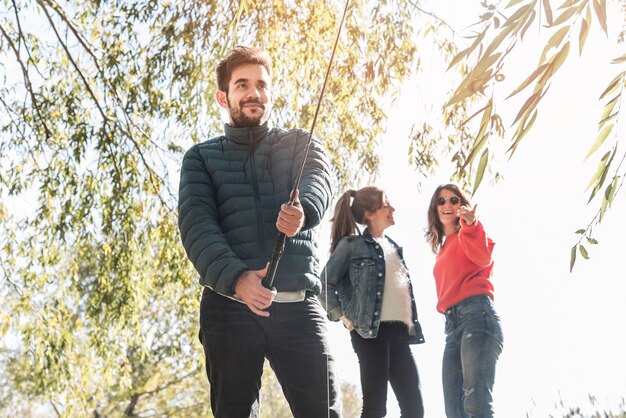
<point x="257" y="197"/>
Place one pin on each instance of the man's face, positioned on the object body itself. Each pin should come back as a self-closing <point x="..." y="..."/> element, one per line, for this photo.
<point x="249" y="97"/>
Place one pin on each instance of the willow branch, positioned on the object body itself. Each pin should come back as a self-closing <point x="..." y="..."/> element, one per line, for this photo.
<point x="434" y="16"/>
<point x="170" y="383"/>
<point x="27" y="82"/>
<point x="21" y="37"/>
<point x="89" y="50"/>
<point x="90" y="91"/>
<point x="22" y="131"/>
<point x="154" y="178"/>
<point x="8" y="279"/>
<point x="70" y="57"/>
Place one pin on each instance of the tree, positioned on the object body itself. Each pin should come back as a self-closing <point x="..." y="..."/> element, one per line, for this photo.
<point x="99" y="99"/>
<point x="274" y="405"/>
<point x="351" y="400"/>
<point x="592" y="410"/>
<point x="500" y="31"/>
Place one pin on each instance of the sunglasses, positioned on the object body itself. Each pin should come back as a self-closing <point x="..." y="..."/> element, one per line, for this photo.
<point x="454" y="200"/>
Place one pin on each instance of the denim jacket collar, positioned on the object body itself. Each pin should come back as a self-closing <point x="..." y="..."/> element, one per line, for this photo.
<point x="367" y="236"/>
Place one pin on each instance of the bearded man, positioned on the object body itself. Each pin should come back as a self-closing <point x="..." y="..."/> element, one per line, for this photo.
<point x="232" y="195"/>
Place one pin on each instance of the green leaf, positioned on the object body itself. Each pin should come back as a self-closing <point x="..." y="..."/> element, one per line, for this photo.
<point x="605" y="200"/>
<point x="512" y="3"/>
<point x="547" y="10"/>
<point x="608" y="108"/>
<point x="529" y="20"/>
<point x="567" y="4"/>
<point x="602" y="177"/>
<point x="583" y="252"/>
<point x="559" y="58"/>
<point x="582" y="36"/>
<point x="580" y="231"/>
<point x="528" y="106"/>
<point x="479" y="111"/>
<point x="517" y="14"/>
<point x="599" y="170"/>
<point x="607" y="119"/>
<point x="613" y="85"/>
<point x="475" y="80"/>
<point x="484" y="122"/>
<point x="592" y="241"/>
<point x="568" y="13"/>
<point x="609" y="194"/>
<point x="572" y="258"/>
<point x="482" y="165"/>
<point x="600" y="139"/>
<point x="538" y="71"/>
<point x="482" y="136"/>
<point x="504" y="32"/>
<point x="484" y="64"/>
<point x="554" y="41"/>
<point x="619" y="59"/>
<point x="599" y="6"/>
<point x="458" y="57"/>
<point x="521" y="132"/>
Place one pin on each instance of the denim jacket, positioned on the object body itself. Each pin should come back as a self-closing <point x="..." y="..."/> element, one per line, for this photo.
<point x="353" y="282"/>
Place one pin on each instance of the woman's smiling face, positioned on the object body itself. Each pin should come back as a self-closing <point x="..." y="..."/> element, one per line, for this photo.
<point x="447" y="205"/>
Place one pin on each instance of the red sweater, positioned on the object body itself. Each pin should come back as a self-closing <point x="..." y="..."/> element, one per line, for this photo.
<point x="464" y="265"/>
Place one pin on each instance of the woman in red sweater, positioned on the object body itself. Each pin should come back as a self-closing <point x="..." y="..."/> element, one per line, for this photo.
<point x="462" y="271"/>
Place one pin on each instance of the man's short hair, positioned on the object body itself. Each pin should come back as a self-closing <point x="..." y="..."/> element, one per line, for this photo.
<point x="240" y="55"/>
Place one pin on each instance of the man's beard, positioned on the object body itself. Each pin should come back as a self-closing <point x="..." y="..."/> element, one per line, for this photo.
<point x="241" y="120"/>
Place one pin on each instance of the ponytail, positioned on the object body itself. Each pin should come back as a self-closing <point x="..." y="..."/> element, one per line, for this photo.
<point x="343" y="221"/>
<point x="347" y="215"/>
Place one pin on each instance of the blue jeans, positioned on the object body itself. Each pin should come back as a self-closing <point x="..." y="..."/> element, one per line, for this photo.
<point x="473" y="344"/>
<point x="388" y="358"/>
<point x="294" y="340"/>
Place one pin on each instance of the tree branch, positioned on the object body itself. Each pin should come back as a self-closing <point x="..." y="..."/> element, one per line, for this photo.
<point x="154" y="178"/>
<point x="21" y="37"/>
<point x="434" y="16"/>
<point x="7" y="278"/>
<point x="171" y="383"/>
<point x="28" y="83"/>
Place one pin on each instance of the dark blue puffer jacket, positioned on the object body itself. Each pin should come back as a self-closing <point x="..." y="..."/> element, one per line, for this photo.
<point x="231" y="190"/>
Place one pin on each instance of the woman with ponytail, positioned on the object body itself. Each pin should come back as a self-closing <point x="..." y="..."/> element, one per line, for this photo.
<point x="366" y="284"/>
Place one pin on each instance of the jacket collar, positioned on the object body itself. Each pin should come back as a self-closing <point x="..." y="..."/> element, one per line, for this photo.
<point x="246" y="136"/>
<point x="368" y="236"/>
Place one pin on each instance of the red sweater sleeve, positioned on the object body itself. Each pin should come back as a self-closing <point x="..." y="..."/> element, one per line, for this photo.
<point x="476" y="245"/>
<point x="464" y="266"/>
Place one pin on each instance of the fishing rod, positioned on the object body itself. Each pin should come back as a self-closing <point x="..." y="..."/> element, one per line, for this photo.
<point x="279" y="245"/>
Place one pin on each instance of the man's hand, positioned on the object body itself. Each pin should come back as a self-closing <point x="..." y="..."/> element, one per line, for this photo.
<point x="291" y="218"/>
<point x="252" y="292"/>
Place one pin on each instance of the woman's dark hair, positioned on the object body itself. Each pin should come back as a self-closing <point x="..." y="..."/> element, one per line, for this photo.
<point x="434" y="233"/>
<point x="240" y="55"/>
<point x="367" y="199"/>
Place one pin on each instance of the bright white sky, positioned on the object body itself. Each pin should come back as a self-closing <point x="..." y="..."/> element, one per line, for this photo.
<point x="563" y="335"/>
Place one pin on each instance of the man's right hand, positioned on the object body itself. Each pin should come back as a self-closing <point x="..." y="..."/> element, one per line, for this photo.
<point x="252" y="292"/>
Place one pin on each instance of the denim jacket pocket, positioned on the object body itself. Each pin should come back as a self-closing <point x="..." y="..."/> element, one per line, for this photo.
<point x="362" y="270"/>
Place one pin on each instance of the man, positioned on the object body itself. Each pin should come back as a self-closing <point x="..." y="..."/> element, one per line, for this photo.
<point x="231" y="207"/>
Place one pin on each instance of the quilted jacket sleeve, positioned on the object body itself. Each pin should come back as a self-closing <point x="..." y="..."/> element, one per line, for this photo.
<point x="200" y="232"/>
<point x="334" y="272"/>
<point x="315" y="184"/>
